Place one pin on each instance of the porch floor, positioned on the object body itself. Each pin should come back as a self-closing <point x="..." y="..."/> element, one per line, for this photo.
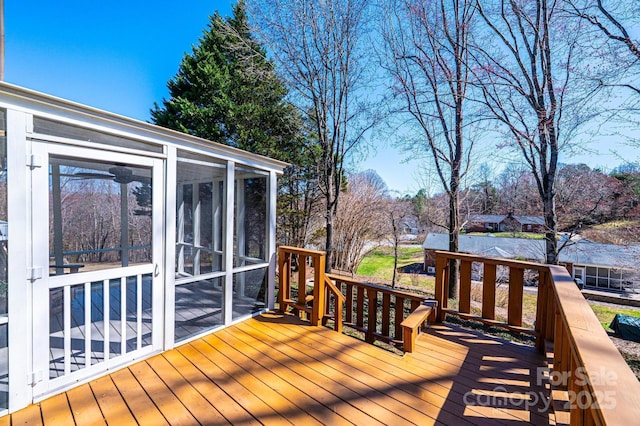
<point x="274" y="369"/>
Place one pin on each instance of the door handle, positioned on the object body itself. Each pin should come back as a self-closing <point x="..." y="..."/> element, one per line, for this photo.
<point x="156" y="271"/>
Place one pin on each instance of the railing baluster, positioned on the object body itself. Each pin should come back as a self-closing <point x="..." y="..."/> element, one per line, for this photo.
<point x="372" y="315"/>
<point x="349" y="304"/>
<point x="516" y="284"/>
<point x="386" y="309"/>
<point x="360" y="307"/>
<point x="489" y="291"/>
<point x="464" y="304"/>
<point x="550" y="307"/>
<point x="302" y="283"/>
<point x="541" y="318"/>
<point x="399" y="317"/>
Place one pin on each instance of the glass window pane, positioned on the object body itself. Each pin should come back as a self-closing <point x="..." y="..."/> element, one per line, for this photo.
<point x="115" y="316"/>
<point x="132" y="313"/>
<point x="97" y="322"/>
<point x="249" y="292"/>
<point x="56" y="333"/>
<point x="4" y="366"/>
<point x="78" y="331"/>
<point x="250" y="230"/>
<point x="100" y="215"/>
<point x="147" y="298"/>
<point x="199" y="218"/>
<point x="198" y="307"/>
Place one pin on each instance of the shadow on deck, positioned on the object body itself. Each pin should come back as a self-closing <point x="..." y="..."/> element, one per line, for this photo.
<point x="275" y="369"/>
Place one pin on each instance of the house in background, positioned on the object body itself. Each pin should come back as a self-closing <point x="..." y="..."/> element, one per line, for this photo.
<point x="602" y="266"/>
<point x="504" y="223"/>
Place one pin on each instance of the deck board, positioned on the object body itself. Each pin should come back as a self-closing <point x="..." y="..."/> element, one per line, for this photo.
<point x="274" y="369"/>
<point x="84" y="406"/>
<point x="56" y="411"/>
<point x="364" y="380"/>
<point x="112" y="405"/>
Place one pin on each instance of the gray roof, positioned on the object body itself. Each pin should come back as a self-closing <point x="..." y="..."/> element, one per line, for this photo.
<point x="489" y="218"/>
<point x="530" y="220"/>
<point x="582" y="252"/>
<point x="495" y="218"/>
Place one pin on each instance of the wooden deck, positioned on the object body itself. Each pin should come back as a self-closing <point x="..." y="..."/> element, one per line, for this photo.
<point x="278" y="370"/>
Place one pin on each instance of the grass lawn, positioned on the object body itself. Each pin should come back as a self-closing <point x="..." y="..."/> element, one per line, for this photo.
<point x="378" y="265"/>
<point x="605" y="313"/>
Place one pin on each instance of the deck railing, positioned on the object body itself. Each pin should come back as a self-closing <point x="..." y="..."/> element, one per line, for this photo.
<point x="369" y="307"/>
<point x="313" y="305"/>
<point x="364" y="307"/>
<point x="587" y="370"/>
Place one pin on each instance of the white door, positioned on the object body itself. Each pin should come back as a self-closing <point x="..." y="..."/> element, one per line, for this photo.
<point x="97" y="246"/>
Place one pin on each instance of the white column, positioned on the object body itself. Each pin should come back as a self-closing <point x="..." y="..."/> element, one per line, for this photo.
<point x="180" y="224"/>
<point x="240" y="232"/>
<point x="20" y="258"/>
<point x="228" y="241"/>
<point x="217" y="225"/>
<point x="197" y="211"/>
<point x="272" y="191"/>
<point x="171" y="205"/>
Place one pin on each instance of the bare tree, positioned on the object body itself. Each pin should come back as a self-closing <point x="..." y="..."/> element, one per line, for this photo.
<point x="610" y="30"/>
<point x="427" y="56"/>
<point x="361" y="219"/>
<point x="528" y="87"/>
<point x="398" y="211"/>
<point x="319" y="49"/>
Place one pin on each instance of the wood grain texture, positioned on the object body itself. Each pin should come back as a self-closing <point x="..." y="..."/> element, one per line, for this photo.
<point x="276" y="369"/>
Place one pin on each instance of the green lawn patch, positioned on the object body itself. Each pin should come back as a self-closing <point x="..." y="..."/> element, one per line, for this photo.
<point x="379" y="262"/>
<point x="378" y="265"/>
<point x="605" y="313"/>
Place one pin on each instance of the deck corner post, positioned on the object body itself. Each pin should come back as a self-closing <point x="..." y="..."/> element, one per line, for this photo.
<point x="317" y="311"/>
<point x="440" y="286"/>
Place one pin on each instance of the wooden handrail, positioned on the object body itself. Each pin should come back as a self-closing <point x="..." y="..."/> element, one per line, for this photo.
<point x="412" y="324"/>
<point x="587" y="367"/>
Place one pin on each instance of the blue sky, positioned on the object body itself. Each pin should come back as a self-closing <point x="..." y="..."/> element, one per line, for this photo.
<point x="114" y="55"/>
<point x="119" y="55"/>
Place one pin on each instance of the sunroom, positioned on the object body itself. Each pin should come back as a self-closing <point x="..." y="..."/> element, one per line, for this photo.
<point x="118" y="240"/>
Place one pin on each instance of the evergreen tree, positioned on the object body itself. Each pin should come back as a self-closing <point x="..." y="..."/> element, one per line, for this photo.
<point x="227" y="91"/>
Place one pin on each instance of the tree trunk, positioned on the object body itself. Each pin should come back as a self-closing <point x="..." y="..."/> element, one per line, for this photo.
<point x="549" y="206"/>
<point x="395" y="260"/>
<point x="329" y="242"/>
<point x="454" y="234"/>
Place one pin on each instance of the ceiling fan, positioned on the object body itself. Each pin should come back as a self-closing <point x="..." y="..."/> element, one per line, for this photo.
<point x="118" y="174"/>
